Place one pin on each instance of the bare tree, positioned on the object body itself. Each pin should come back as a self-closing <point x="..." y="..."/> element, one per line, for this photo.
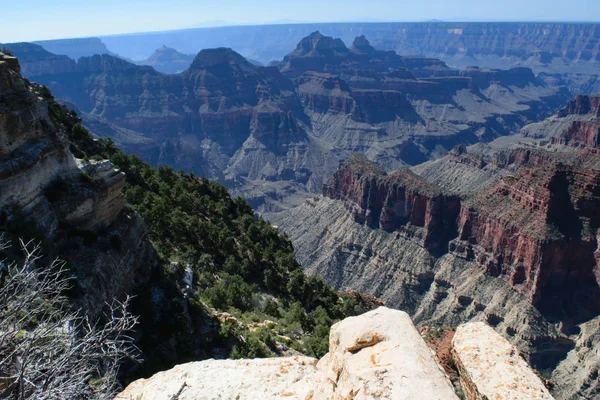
<point x="47" y="351"/>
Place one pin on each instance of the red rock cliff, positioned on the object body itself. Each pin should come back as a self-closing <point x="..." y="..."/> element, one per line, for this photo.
<point x="401" y="201"/>
<point x="536" y="228"/>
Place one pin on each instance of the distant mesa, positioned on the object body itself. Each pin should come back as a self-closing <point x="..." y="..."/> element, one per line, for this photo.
<point x="76" y="48"/>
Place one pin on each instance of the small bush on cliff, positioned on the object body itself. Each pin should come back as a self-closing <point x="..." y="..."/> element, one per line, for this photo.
<point x="6" y="51"/>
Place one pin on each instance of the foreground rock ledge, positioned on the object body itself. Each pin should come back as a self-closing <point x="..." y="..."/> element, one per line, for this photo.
<point x="378" y="355"/>
<point x="491" y="368"/>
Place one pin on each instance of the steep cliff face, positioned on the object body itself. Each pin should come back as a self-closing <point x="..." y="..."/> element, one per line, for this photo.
<point x="42" y="182"/>
<point x="581" y="105"/>
<point x="525" y="228"/>
<point x="401" y="201"/>
<point x="538" y="230"/>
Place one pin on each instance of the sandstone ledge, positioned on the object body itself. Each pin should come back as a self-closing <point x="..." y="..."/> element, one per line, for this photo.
<point x="227" y="379"/>
<point x="378" y="355"/>
<point x="491" y="368"/>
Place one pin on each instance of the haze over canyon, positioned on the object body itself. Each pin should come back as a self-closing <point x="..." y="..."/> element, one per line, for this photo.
<point x="282" y="190"/>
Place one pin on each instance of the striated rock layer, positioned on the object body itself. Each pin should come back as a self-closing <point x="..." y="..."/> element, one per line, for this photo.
<point x="275" y="134"/>
<point x="42" y="183"/>
<point x="576" y="125"/>
<point x="536" y="229"/>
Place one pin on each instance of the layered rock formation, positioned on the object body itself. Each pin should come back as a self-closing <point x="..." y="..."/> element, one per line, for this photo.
<point x="526" y="228"/>
<point x="76" y="48"/>
<point x="559" y="53"/>
<point x="168" y="60"/>
<point x="275" y="136"/>
<point x="35" y="61"/>
<point x="576" y="125"/>
<point x="42" y="182"/>
<point x="400" y="202"/>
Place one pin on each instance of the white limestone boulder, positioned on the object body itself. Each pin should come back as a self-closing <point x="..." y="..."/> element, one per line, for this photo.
<point x="380" y="355"/>
<point x="491" y="368"/>
<point x="269" y="378"/>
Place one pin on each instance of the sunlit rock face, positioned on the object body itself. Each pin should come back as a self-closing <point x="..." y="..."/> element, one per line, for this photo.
<point x="378" y="355"/>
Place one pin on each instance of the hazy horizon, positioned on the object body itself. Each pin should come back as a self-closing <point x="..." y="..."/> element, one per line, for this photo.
<point x="75" y="19"/>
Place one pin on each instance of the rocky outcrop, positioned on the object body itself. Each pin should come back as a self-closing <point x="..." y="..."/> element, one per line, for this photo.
<point x="581" y="105"/>
<point x="575" y="125"/>
<point x="491" y="368"/>
<point x="379" y="354"/>
<point x="43" y="184"/>
<point x="229" y="379"/>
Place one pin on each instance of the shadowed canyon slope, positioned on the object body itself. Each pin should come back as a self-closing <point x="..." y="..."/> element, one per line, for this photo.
<point x="275" y="134"/>
<point x="506" y="233"/>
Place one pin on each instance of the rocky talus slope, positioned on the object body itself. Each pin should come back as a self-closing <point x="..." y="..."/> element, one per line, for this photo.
<point x="500" y="233"/>
<point x="275" y="134"/>
<point x="378" y="355"/>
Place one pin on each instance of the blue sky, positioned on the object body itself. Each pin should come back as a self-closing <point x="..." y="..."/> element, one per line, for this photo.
<point x="25" y="20"/>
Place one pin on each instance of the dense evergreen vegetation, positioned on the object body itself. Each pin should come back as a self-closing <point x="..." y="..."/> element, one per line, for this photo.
<point x="239" y="263"/>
